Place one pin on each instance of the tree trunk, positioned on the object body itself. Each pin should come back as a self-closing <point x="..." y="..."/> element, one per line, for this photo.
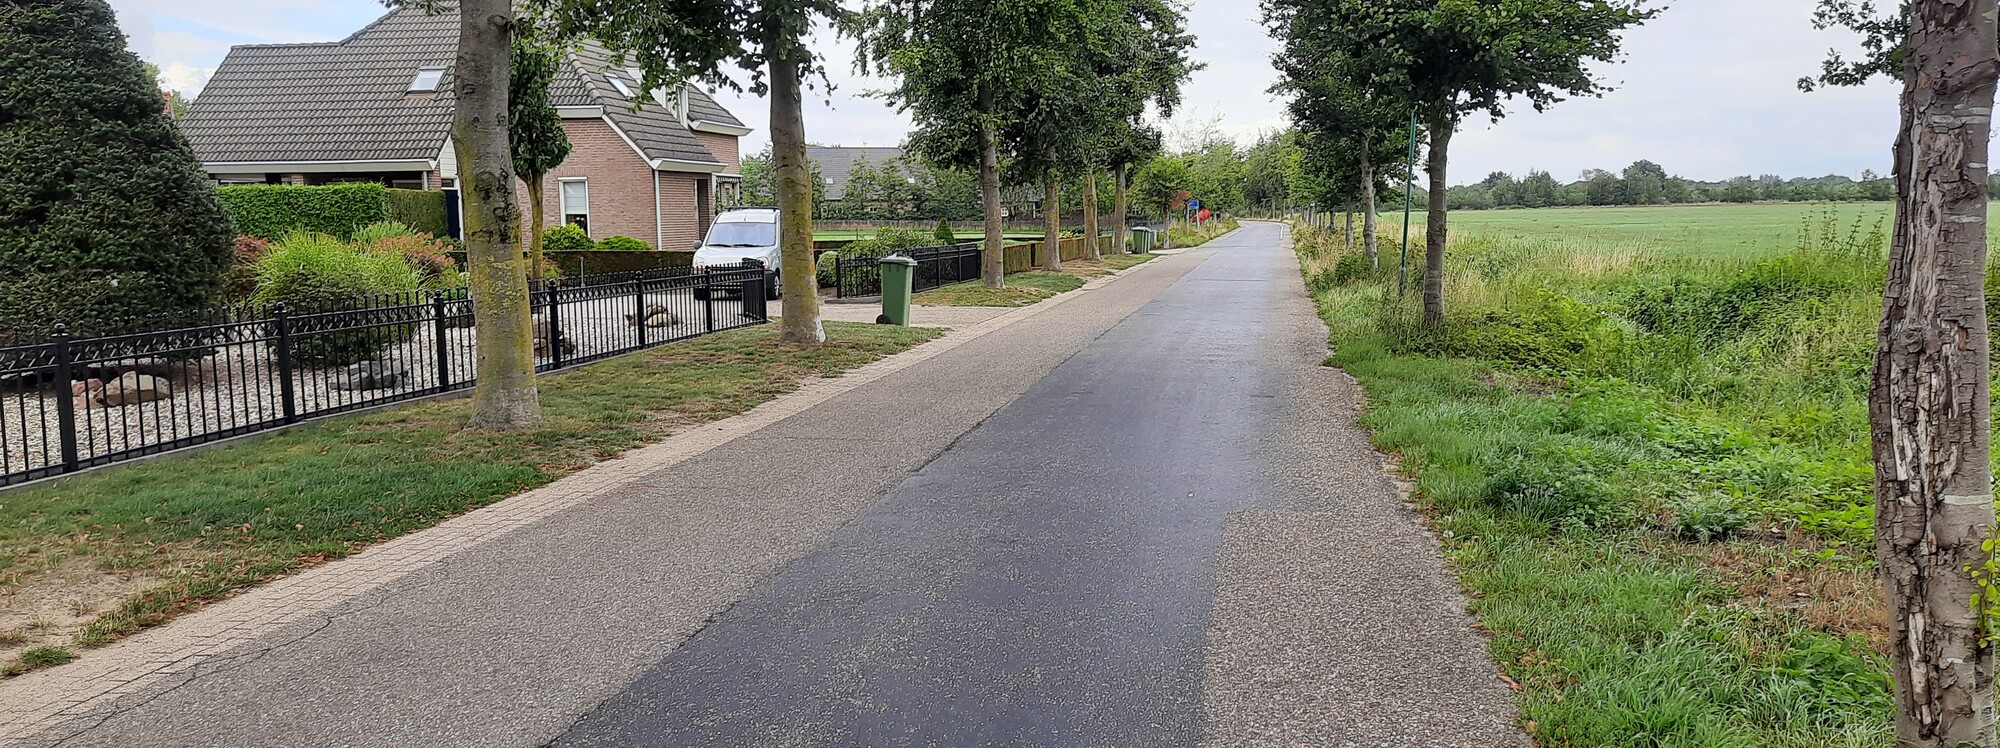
<point x="1051" y="223"/>
<point x="1368" y="207"/>
<point x="1090" y="215"/>
<point x="792" y="175"/>
<point x="1928" y="403"/>
<point x="993" y="258"/>
<point x="536" y="226"/>
<point x="1118" y="207"/>
<point x="505" y="397"/>
<point x="1347" y="229"/>
<point x="1434" y="220"/>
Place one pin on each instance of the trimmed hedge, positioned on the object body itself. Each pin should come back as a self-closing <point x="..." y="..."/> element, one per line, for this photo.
<point x="594" y="261"/>
<point x="422" y="210"/>
<point x="272" y="211"/>
<point x="623" y="244"/>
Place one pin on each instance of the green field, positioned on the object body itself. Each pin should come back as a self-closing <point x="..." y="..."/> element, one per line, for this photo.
<point x="1696" y="231"/>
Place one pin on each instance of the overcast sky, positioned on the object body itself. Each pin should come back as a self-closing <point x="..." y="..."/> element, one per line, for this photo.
<point x="1707" y="89"/>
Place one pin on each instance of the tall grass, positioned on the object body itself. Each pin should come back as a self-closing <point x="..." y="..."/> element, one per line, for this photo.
<point x="1616" y="445"/>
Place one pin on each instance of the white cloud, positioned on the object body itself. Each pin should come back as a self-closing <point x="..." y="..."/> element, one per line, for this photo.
<point x="184" y="78"/>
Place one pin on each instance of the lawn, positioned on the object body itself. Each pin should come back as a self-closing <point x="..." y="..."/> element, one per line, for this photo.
<point x="1644" y="443"/>
<point x="174" y="533"/>
<point x="1028" y="287"/>
<point x="852" y="234"/>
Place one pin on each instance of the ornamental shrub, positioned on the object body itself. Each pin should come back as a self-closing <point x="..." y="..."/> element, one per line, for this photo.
<point x="271" y="211"/>
<point x="104" y="211"/>
<point x="311" y="272"/>
<point x="943" y="233"/>
<point x="624" y="244"/>
<point x="566" y="238"/>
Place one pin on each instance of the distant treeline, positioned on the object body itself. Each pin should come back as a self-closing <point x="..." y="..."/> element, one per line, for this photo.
<point x="1647" y="183"/>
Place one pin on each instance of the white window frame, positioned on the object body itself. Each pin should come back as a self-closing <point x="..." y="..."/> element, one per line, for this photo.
<point x="437" y="79"/>
<point x="562" y="200"/>
<point x="619" y="83"/>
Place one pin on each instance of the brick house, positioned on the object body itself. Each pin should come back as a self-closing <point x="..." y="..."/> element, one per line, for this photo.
<point x="376" y="107"/>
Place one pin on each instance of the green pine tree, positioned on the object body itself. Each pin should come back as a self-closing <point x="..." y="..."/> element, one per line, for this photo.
<point x="104" y="211"/>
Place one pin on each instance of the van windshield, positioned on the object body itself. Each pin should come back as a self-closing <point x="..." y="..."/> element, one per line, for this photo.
<point x="742" y="235"/>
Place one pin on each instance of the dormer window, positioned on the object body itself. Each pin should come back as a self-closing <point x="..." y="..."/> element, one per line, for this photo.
<point x="619" y="83"/>
<point x="426" y="81"/>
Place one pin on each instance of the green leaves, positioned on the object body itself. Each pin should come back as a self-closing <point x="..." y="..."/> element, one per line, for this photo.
<point x="534" y="129"/>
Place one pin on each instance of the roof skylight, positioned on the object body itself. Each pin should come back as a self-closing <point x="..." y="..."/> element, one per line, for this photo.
<point x="427" y="80"/>
<point x="619" y="83"/>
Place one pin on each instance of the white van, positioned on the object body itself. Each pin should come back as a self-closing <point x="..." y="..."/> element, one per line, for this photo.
<point x="742" y="234"/>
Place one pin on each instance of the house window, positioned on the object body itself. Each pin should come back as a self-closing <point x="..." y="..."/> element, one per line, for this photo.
<point x="576" y="203"/>
<point x="619" y="83"/>
<point x="427" y="80"/>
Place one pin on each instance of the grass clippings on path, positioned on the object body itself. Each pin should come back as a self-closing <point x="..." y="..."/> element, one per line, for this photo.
<point x="200" y="527"/>
<point x="1029" y="287"/>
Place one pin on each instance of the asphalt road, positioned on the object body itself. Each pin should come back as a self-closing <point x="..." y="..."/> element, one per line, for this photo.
<point x="1046" y="581"/>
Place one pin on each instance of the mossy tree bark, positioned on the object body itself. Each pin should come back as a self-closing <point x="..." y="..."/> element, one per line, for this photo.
<point x="1442" y="126"/>
<point x="993" y="257"/>
<point x="1119" y="206"/>
<point x="505" y="397"/>
<point x="1051" y="222"/>
<point x="793" y="174"/>
<point x="1090" y="215"/>
<point x="536" y="224"/>
<point x="1928" y="403"/>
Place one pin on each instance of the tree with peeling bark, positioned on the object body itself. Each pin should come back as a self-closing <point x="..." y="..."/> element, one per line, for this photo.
<point x="535" y="131"/>
<point x="1415" y="52"/>
<point x="1928" y="402"/>
<point x="505" y="397"/>
<point x="676" y="41"/>
<point x="964" y="70"/>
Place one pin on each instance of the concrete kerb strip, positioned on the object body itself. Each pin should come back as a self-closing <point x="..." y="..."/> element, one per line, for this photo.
<point x="37" y="701"/>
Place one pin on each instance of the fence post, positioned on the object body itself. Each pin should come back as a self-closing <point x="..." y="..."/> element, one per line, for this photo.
<point x="65" y="402"/>
<point x="639" y="308"/>
<point x="839" y="280"/>
<point x="708" y="299"/>
<point x="284" y="344"/>
<point x="443" y="346"/>
<point x="555" y="324"/>
<point x="753" y="283"/>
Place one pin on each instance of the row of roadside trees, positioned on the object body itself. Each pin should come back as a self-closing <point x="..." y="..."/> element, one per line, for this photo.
<point x="1039" y="89"/>
<point x="1362" y="74"/>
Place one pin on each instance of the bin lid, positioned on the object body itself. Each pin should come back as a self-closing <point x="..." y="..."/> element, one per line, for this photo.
<point x="896" y="260"/>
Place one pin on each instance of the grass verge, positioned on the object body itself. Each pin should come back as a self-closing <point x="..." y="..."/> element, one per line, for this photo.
<point x="214" y="522"/>
<point x="1185" y="236"/>
<point x="1664" y="554"/>
<point x="1029" y="287"/>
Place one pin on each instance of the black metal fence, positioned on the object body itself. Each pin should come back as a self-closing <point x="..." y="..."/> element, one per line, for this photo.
<point x="69" y="403"/>
<point x="936" y="266"/>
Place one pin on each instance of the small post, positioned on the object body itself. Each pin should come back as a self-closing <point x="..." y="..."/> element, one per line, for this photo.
<point x="443" y="346"/>
<point x="639" y="308"/>
<point x="555" y="324"/>
<point x="839" y="278"/>
<point x="65" y="403"/>
<point x="708" y="299"/>
<point x="283" y="323"/>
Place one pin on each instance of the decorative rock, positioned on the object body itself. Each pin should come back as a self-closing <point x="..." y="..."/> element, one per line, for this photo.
<point x="369" y="375"/>
<point x="134" y="387"/>
<point x="88" y="393"/>
<point x="656" y="316"/>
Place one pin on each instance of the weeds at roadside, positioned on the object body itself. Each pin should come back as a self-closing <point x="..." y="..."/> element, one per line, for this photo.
<point x="1651" y="472"/>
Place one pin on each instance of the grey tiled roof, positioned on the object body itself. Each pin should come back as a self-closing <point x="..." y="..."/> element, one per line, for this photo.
<point x="651" y="125"/>
<point x="835" y="163"/>
<point x="333" y="101"/>
<point x="703" y="108"/>
<point x="347" y="100"/>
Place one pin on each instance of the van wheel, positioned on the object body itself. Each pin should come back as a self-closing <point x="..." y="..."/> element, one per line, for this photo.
<point x="775" y="289"/>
